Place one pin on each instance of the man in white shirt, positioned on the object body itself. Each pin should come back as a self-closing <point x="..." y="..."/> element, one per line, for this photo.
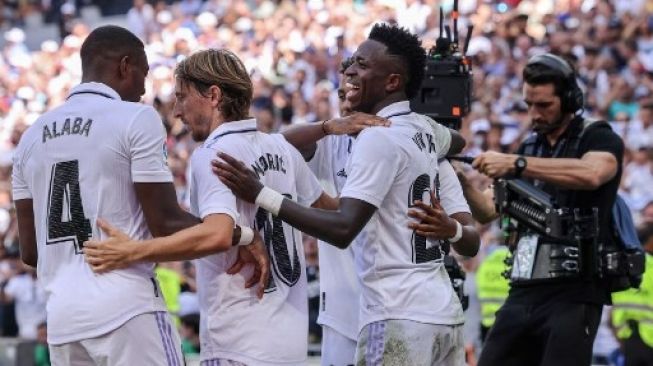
<point x="100" y="154"/>
<point x="409" y="313"/>
<point x="214" y="93"/>
<point x="29" y="299"/>
<point x="339" y="287"/>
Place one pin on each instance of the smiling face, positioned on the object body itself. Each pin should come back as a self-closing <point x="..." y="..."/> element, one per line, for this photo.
<point x="194" y="110"/>
<point x="369" y="80"/>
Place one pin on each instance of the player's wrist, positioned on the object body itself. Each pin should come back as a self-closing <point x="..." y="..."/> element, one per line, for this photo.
<point x="138" y="252"/>
<point x="458" y="233"/>
<point x="246" y="236"/>
<point x="269" y="200"/>
<point x="326" y="127"/>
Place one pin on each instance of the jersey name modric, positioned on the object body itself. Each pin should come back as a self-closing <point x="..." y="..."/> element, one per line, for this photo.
<point x="267" y="162"/>
<point x="70" y="126"/>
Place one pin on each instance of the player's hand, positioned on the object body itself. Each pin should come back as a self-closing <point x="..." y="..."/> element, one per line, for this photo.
<point x="116" y="252"/>
<point x="432" y="221"/>
<point x="256" y="254"/>
<point x="242" y="181"/>
<point x="353" y="123"/>
<point x="494" y="164"/>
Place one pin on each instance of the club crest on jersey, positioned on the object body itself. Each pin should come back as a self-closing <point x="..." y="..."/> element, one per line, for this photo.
<point x="76" y="127"/>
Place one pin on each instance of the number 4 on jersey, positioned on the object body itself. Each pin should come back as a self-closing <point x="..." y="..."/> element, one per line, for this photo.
<point x="66" y="220"/>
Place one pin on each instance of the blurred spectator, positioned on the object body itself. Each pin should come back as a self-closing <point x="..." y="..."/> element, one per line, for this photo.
<point x="169" y="277"/>
<point x="28" y="297"/>
<point x="140" y="19"/>
<point x="190" y="334"/>
<point x="41" y="351"/>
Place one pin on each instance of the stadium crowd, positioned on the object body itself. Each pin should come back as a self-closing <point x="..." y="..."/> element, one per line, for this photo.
<point x="293" y="50"/>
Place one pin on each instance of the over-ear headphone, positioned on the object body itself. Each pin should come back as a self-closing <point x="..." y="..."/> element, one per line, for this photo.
<point x="571" y="99"/>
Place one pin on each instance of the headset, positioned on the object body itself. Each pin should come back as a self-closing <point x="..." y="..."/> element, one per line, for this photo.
<point x="571" y="100"/>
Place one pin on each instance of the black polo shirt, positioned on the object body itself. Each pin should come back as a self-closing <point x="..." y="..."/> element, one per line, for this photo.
<point x="597" y="137"/>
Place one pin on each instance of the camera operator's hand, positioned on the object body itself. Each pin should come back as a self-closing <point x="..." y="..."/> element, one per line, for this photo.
<point x="494" y="164"/>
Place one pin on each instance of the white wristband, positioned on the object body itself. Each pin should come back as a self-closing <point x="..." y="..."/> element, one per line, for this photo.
<point x="270" y="200"/>
<point x="459" y="233"/>
<point x="246" y="236"/>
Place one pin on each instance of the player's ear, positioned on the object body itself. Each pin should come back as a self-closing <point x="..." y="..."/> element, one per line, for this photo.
<point x="123" y="67"/>
<point x="393" y="83"/>
<point x="215" y="94"/>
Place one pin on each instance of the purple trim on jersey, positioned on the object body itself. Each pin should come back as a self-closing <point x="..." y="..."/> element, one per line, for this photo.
<point x="218" y="362"/>
<point x="164" y="339"/>
<point x="166" y="321"/>
<point x="375" y="344"/>
<point x="91" y="92"/>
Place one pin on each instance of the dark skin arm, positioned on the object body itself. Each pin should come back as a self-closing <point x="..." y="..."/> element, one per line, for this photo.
<point x="26" y="232"/>
<point x="305" y="137"/>
<point x="434" y="223"/>
<point x="457" y="143"/>
<point x="338" y="227"/>
<point x="162" y="212"/>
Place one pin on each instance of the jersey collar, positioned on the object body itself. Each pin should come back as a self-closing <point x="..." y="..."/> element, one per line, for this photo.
<point x="228" y="128"/>
<point x="395" y="109"/>
<point x="94" y="88"/>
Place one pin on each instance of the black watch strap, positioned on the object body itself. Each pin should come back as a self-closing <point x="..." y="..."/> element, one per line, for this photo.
<point x="520" y="166"/>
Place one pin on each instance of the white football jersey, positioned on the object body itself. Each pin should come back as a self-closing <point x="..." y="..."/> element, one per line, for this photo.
<point x="79" y="162"/>
<point x="235" y="324"/>
<point x="402" y="274"/>
<point x="339" y="286"/>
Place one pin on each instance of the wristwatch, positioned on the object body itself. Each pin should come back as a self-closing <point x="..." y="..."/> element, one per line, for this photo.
<point x="520" y="165"/>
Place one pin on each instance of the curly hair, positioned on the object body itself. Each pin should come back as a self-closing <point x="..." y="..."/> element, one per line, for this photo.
<point x="408" y="47"/>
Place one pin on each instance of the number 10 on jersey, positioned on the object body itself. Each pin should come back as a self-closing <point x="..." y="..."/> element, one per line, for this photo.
<point x="66" y="220"/>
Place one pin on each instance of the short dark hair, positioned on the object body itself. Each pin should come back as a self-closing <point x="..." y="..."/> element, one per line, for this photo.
<point x="540" y="74"/>
<point x="108" y="42"/>
<point x="400" y="42"/>
<point x="192" y="321"/>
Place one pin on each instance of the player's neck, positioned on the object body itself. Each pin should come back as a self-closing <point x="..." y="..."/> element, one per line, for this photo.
<point x="390" y="99"/>
<point x="217" y="121"/>
<point x="92" y="78"/>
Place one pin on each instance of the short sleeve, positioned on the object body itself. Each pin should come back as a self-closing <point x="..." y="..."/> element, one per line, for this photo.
<point x="373" y="163"/>
<point x="147" y="149"/>
<point x="451" y="192"/>
<point x="213" y="197"/>
<point x="19" y="186"/>
<point x="442" y="137"/>
<point x="602" y="139"/>
<point x="308" y="187"/>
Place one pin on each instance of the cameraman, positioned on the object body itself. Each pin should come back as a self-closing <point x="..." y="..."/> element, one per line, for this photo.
<point x="554" y="321"/>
